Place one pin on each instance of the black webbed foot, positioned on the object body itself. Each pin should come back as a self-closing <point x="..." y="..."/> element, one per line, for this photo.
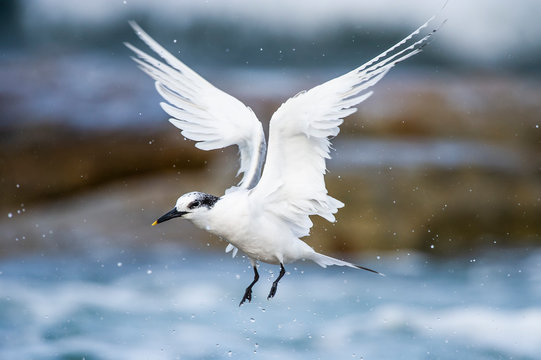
<point x="248" y="292"/>
<point x="247" y="296"/>
<point x="275" y="283"/>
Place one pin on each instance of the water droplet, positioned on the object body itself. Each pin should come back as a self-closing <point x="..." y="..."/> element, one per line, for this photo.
<point x="17" y="186"/>
<point x="432" y="246"/>
<point x="252" y="320"/>
<point x="149" y="272"/>
<point x="175" y="41"/>
<point x="119" y="264"/>
<point x="10" y="215"/>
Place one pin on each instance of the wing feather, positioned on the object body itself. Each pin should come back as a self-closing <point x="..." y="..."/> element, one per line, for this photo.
<point x="202" y="112"/>
<point x="292" y="186"/>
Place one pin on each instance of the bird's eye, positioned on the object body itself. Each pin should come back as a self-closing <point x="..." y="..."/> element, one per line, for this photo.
<point x="194" y="204"/>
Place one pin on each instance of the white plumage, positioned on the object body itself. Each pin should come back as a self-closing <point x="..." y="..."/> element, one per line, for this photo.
<point x="268" y="212"/>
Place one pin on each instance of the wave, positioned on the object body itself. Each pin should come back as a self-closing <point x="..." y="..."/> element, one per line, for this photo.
<point x="165" y="307"/>
<point x="509" y="331"/>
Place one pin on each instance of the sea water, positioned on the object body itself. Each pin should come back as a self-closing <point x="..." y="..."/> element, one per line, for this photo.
<point x="179" y="304"/>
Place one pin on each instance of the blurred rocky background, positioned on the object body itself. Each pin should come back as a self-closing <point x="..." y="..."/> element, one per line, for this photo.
<point x="444" y="158"/>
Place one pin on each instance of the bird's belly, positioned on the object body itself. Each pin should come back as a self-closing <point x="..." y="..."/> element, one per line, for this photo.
<point x="258" y="248"/>
<point x="247" y="239"/>
<point x="270" y="245"/>
<point x="255" y="241"/>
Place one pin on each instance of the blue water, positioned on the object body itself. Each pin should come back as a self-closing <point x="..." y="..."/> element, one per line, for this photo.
<point x="178" y="304"/>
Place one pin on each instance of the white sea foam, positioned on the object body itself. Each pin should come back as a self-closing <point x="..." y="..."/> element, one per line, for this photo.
<point x="511" y="331"/>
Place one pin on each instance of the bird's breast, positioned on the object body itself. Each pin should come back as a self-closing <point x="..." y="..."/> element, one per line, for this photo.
<point x="230" y="217"/>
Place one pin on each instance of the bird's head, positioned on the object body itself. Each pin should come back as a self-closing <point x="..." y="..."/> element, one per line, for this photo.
<point x="190" y="206"/>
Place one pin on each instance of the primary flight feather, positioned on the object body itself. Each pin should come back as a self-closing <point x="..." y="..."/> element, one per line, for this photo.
<point x="268" y="211"/>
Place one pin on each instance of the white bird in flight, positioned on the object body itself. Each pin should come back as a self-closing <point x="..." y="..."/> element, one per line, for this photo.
<point x="269" y="210"/>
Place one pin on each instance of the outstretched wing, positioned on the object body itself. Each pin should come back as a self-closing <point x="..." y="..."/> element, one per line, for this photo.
<point x="205" y="114"/>
<point x="292" y="186"/>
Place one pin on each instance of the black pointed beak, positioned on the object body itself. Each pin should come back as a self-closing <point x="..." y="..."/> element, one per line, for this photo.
<point x="168" y="216"/>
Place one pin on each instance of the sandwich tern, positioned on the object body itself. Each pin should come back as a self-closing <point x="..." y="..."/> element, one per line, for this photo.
<point x="269" y="210"/>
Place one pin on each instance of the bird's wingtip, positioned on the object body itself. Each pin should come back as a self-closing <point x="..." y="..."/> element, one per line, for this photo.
<point x="367" y="269"/>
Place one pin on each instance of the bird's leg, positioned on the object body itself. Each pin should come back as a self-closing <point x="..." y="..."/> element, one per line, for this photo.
<point x="248" y="292"/>
<point x="275" y="283"/>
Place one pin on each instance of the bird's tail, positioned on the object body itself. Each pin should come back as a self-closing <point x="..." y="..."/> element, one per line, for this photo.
<point x="324" y="261"/>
